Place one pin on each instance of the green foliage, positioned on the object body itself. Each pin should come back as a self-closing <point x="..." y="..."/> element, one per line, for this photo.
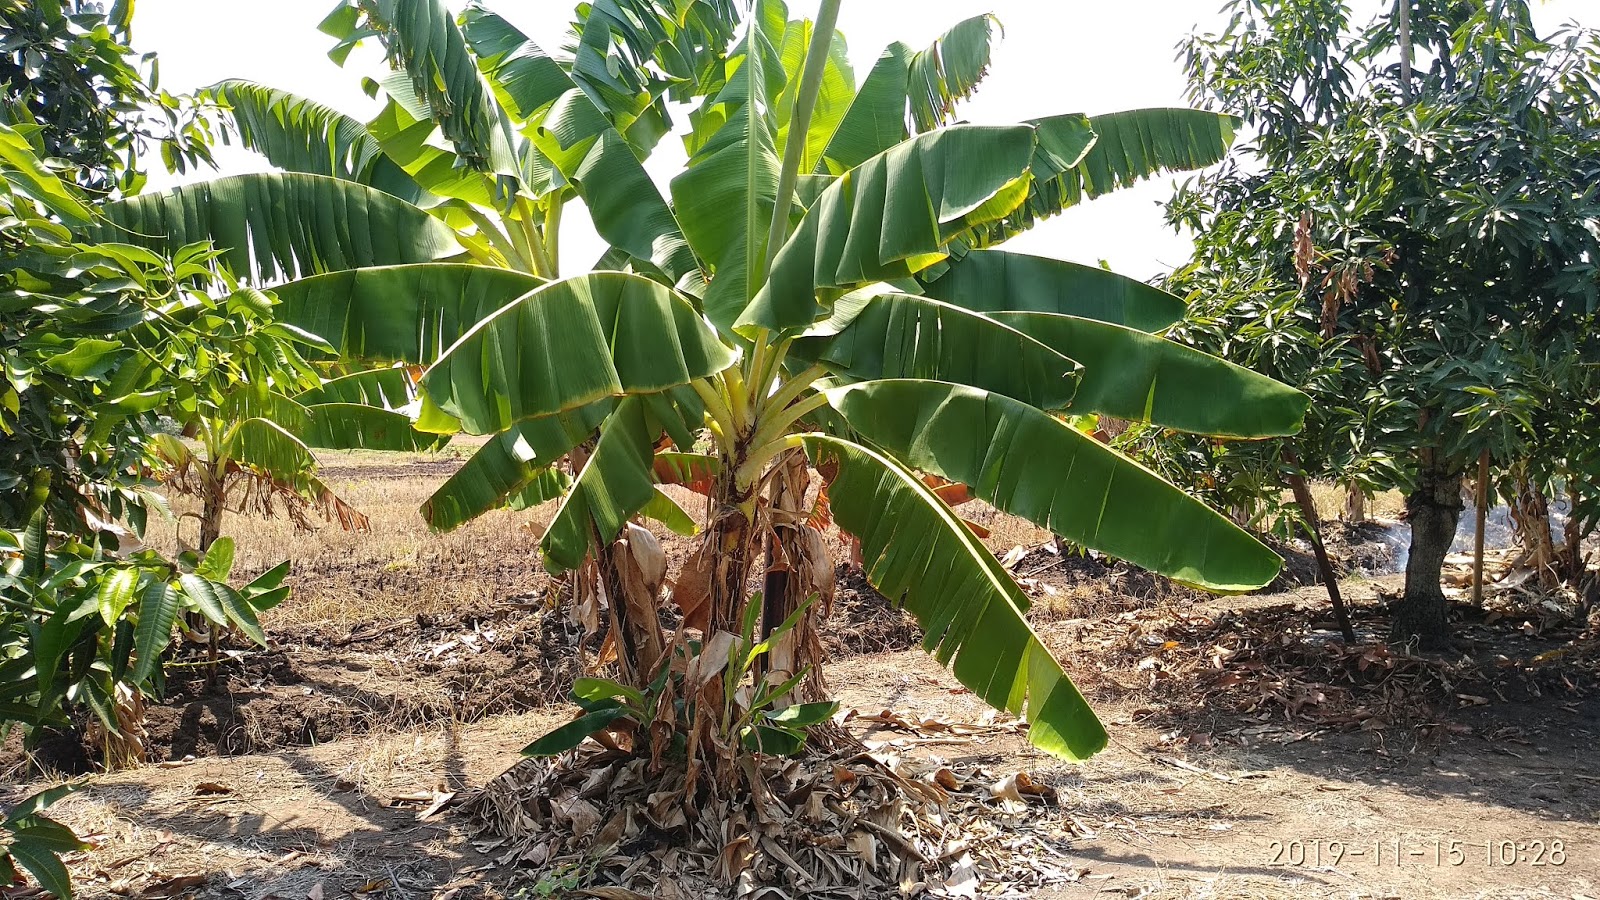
<point x="300" y="135"/>
<point x="1419" y="255"/>
<point x="35" y="842"/>
<point x="1421" y="259"/>
<point x="102" y="345"/>
<point x="68" y="76"/>
<point x="1030" y="464"/>
<point x="764" y="719"/>
<point x="274" y="226"/>
<point x="733" y="314"/>
<point x="105" y="346"/>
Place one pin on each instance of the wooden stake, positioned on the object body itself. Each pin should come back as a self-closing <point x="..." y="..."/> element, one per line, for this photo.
<point x="1483" y="519"/>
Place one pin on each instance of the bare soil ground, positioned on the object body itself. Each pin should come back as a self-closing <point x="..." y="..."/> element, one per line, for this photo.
<point x="1252" y="753"/>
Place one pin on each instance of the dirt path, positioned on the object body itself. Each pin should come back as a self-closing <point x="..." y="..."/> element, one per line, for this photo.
<point x="1162" y="821"/>
<point x="1199" y="795"/>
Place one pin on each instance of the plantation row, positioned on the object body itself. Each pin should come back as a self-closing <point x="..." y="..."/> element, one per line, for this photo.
<point x="814" y="323"/>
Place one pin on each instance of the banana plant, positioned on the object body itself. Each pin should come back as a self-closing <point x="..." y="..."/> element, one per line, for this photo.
<point x="249" y="423"/>
<point x="823" y="291"/>
<point x="255" y="450"/>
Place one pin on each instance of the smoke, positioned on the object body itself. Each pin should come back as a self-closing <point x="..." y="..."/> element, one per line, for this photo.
<point x="1497" y="533"/>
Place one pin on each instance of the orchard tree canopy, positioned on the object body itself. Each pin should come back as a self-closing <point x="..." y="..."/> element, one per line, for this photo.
<point x="67" y="73"/>
<point x="1422" y="256"/>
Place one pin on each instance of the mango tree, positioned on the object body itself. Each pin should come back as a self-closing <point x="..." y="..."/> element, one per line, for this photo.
<point x="95" y="339"/>
<point x="1418" y="255"/>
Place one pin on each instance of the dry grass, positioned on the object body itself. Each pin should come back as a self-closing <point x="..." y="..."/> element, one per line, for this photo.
<point x="401" y="569"/>
<point x="398" y="568"/>
<point x="1005" y="531"/>
<point x="1330" y="498"/>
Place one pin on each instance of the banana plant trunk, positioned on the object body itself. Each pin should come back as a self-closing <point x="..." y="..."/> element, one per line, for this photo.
<point x="731" y="539"/>
<point x="794" y="575"/>
<point x="635" y="628"/>
<point x="1530" y="513"/>
<point x="1572" y="554"/>
<point x="614" y="579"/>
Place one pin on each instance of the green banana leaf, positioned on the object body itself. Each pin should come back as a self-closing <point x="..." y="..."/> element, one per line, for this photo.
<point x="525" y="79"/>
<point x="550" y="484"/>
<point x="1135" y="144"/>
<point x="916" y="552"/>
<point x="256" y="399"/>
<point x="679" y="412"/>
<point x="429" y="47"/>
<point x="683" y="38"/>
<point x="580" y="141"/>
<point x="892" y="216"/>
<point x="1128" y="147"/>
<point x="666" y="510"/>
<point x="901" y="336"/>
<point x="627" y="207"/>
<point x="572" y="342"/>
<point x="1145" y="378"/>
<point x="876" y="119"/>
<point x="835" y="92"/>
<point x="610" y="32"/>
<point x="297" y="134"/>
<point x="408" y="137"/>
<point x="511" y="463"/>
<point x="995" y="280"/>
<point x="383" y="388"/>
<point x="925" y="84"/>
<point x="949" y="70"/>
<point x="631" y="56"/>
<point x="357" y="426"/>
<point x="614" y="485"/>
<point x="399" y="313"/>
<point x="725" y="198"/>
<point x="1030" y="464"/>
<point x="269" y="447"/>
<point x="281" y="225"/>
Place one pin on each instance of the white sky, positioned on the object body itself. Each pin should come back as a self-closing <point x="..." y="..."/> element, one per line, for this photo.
<point x="1057" y="56"/>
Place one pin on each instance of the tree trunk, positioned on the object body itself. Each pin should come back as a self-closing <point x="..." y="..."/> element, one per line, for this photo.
<point x="1434" y="508"/>
<point x="1330" y="579"/>
<point x="1572" y="553"/>
<point x="211" y="513"/>
<point x="210" y="529"/>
